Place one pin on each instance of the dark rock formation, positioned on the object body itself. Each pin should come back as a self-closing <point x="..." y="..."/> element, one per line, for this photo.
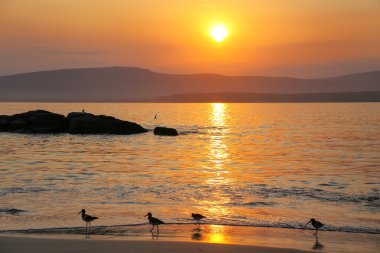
<point x="87" y="123"/>
<point x="4" y="122"/>
<point x="34" y="122"/>
<point x="76" y="123"/>
<point x="165" y="131"/>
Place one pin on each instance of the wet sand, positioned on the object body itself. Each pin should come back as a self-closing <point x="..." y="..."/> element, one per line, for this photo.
<point x="38" y="245"/>
<point x="186" y="238"/>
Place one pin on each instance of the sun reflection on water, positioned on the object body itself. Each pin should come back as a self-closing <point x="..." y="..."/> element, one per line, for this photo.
<point x="217" y="114"/>
<point x="218" y="149"/>
<point x="218" y="174"/>
<point x="217" y="234"/>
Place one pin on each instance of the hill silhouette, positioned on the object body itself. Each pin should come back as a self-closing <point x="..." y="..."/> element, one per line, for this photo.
<point x="241" y="97"/>
<point x="137" y="84"/>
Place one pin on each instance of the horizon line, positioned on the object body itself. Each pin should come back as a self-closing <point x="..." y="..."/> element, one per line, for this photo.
<point x="189" y="74"/>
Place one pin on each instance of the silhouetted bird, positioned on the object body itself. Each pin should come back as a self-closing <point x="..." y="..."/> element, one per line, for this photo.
<point x="87" y="218"/>
<point x="155" y="116"/>
<point x="154" y="221"/>
<point x="197" y="216"/>
<point x="316" y="224"/>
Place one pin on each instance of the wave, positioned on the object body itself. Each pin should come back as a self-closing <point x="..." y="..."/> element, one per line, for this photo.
<point x="122" y="229"/>
<point x="12" y="211"/>
<point x="370" y="199"/>
<point x="254" y="204"/>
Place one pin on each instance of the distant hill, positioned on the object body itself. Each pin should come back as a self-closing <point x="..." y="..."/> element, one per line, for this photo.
<point x="233" y="97"/>
<point x="136" y="84"/>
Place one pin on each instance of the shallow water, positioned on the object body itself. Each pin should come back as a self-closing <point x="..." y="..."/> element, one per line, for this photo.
<point x="327" y="241"/>
<point x="272" y="165"/>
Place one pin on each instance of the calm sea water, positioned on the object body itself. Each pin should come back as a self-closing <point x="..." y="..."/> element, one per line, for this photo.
<point x="273" y="165"/>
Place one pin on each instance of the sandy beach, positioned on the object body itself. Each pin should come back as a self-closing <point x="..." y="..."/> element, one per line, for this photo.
<point x="184" y="238"/>
<point x="19" y="244"/>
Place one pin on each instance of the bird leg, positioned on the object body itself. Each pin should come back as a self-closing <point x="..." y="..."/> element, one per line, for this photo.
<point x="152" y="228"/>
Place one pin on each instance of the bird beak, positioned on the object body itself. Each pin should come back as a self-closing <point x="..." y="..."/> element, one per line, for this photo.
<point x="80" y="212"/>
<point x="145" y="215"/>
<point x="307" y="223"/>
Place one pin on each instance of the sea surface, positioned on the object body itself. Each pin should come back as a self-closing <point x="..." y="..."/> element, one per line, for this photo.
<point x="265" y="164"/>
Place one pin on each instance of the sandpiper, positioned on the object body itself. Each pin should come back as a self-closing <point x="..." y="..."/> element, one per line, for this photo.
<point x="154" y="221"/>
<point x="87" y="218"/>
<point x="316" y="224"/>
<point x="197" y="217"/>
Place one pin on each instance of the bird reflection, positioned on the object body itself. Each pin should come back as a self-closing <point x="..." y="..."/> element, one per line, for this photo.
<point x="317" y="245"/>
<point x="155" y="235"/>
<point x="197" y="235"/>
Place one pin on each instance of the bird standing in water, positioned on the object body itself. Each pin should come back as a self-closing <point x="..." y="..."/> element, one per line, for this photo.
<point x="197" y="217"/>
<point x="87" y="218"/>
<point x="316" y="224"/>
<point x="154" y="221"/>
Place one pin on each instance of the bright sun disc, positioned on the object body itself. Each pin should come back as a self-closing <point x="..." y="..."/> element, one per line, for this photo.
<point x="219" y="33"/>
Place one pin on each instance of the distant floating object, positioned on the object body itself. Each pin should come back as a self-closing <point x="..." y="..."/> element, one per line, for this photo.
<point x="154" y="221"/>
<point x="87" y="218"/>
<point x="316" y="224"/>
<point x="155" y="116"/>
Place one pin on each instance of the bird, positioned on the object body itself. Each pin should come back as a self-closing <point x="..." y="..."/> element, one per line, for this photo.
<point x="197" y="217"/>
<point x="154" y="221"/>
<point x="87" y="218"/>
<point x="316" y="224"/>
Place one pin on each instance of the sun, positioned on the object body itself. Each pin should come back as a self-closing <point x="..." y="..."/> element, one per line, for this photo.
<point x="219" y="32"/>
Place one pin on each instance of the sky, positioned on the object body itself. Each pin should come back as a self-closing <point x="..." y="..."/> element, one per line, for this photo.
<point x="300" y="38"/>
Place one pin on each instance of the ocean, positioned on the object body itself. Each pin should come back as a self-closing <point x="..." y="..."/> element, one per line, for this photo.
<point x="254" y="164"/>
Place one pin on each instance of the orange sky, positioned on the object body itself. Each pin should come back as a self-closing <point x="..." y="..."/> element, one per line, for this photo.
<point x="305" y="38"/>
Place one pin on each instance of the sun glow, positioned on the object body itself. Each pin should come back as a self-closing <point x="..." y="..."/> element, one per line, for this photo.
<point x="219" y="32"/>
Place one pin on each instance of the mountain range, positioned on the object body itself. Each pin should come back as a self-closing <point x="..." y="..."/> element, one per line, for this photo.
<point x="131" y="84"/>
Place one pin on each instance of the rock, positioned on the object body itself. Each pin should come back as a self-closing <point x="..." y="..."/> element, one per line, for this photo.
<point x="87" y="123"/>
<point x="38" y="121"/>
<point x="4" y="122"/>
<point x="165" y="131"/>
<point x="76" y="123"/>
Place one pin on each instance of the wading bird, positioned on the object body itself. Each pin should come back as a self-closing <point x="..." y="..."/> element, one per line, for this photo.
<point x="316" y="224"/>
<point x="87" y="218"/>
<point x="197" y="217"/>
<point x="154" y="221"/>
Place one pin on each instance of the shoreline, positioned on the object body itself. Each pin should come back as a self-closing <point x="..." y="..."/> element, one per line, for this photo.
<point x="257" y="239"/>
<point x="25" y="244"/>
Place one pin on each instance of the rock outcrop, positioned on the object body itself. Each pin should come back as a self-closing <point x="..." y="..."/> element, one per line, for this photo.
<point x="87" y="123"/>
<point x="39" y="121"/>
<point x="4" y="122"/>
<point x="44" y="122"/>
<point x="165" y="131"/>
